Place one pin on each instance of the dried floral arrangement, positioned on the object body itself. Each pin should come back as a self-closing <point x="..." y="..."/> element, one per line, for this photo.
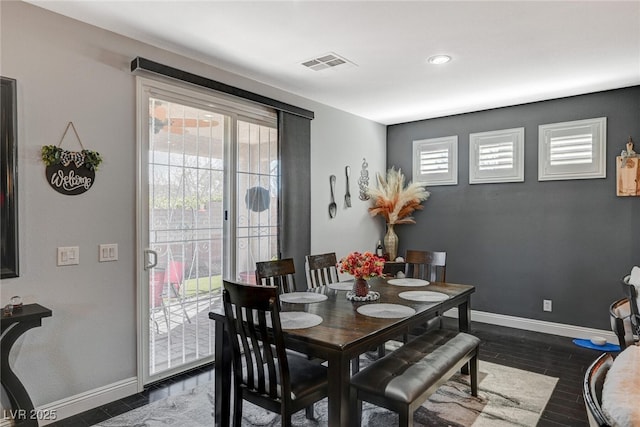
<point x="394" y="201"/>
<point x="361" y="265"/>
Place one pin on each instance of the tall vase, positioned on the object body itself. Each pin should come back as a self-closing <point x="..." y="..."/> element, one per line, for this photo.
<point x="360" y="287"/>
<point x="391" y="243"/>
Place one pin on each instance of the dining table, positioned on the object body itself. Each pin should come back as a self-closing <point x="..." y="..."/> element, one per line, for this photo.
<point x="345" y="333"/>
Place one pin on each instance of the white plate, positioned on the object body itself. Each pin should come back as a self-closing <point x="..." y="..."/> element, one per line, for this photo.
<point x="386" y="311"/>
<point x="302" y="297"/>
<point x="341" y="286"/>
<point x="408" y="282"/>
<point x="299" y="319"/>
<point x="423" y="296"/>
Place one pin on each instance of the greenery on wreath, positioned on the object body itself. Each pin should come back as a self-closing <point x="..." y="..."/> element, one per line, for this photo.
<point x="53" y="155"/>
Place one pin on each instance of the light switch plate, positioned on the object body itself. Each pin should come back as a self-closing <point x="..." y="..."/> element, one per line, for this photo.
<point x="68" y="255"/>
<point x="108" y="252"/>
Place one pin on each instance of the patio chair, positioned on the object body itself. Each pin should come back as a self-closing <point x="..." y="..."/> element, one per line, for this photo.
<point x="174" y="276"/>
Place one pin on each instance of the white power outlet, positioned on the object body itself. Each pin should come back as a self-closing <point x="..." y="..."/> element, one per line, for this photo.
<point x="68" y="255"/>
<point x="546" y="305"/>
<point x="108" y="252"/>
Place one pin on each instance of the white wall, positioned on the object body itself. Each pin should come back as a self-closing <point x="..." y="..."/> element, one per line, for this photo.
<point x="69" y="71"/>
<point x="345" y="142"/>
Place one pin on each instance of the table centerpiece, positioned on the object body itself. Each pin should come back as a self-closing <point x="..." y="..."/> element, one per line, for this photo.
<point x="362" y="266"/>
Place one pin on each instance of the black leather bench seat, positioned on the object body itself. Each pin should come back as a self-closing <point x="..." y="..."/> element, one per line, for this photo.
<point x="405" y="378"/>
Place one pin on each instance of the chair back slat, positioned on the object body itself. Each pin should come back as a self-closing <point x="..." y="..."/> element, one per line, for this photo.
<point x="278" y="273"/>
<point x="427" y="265"/>
<point x="255" y="331"/>
<point x="632" y="294"/>
<point x="322" y="269"/>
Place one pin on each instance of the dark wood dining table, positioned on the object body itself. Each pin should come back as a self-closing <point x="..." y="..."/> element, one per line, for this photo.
<point x="343" y="335"/>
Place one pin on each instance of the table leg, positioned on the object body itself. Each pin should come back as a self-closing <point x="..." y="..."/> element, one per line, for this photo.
<point x="339" y="381"/>
<point x="464" y="316"/>
<point x="222" y="373"/>
<point x="464" y="325"/>
<point x="21" y="405"/>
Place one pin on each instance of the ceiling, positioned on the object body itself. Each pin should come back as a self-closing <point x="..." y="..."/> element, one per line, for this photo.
<point x="503" y="52"/>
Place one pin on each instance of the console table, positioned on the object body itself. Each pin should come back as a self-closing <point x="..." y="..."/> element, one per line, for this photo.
<point x="30" y="316"/>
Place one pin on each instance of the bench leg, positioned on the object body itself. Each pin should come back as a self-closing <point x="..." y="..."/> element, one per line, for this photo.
<point x="405" y="418"/>
<point x="473" y="367"/>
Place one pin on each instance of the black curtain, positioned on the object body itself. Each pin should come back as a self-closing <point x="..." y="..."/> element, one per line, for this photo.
<point x="295" y="191"/>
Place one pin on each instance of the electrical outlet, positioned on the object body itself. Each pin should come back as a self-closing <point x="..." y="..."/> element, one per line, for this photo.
<point x="68" y="255"/>
<point x="108" y="252"/>
<point x="546" y="305"/>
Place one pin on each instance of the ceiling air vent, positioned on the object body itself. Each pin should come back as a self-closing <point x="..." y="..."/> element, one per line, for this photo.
<point x="328" y="60"/>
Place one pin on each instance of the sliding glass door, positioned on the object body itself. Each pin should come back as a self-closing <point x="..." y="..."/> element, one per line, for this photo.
<point x="207" y="202"/>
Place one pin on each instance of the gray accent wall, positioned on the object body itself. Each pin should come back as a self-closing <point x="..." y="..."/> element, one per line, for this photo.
<point x="519" y="243"/>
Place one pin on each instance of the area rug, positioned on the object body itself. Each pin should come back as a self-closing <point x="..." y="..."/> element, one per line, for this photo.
<point x="507" y="397"/>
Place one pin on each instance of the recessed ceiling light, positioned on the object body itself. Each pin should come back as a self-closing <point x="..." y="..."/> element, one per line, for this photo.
<point x="439" y="59"/>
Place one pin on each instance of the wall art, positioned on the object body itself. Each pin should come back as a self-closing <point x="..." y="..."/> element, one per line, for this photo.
<point x="9" y="264"/>
<point x="70" y="172"/>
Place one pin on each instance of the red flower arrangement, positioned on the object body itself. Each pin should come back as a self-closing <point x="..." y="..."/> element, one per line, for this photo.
<point x="361" y="265"/>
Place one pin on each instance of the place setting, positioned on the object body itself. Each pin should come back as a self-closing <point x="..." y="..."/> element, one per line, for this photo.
<point x="299" y="320"/>
<point x="341" y="286"/>
<point x="386" y="311"/>
<point x="302" y="297"/>
<point x="408" y="281"/>
<point x="423" y="296"/>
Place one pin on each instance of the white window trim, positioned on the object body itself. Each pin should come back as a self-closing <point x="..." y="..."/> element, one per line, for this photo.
<point x="449" y="143"/>
<point x="513" y="174"/>
<point x="597" y="127"/>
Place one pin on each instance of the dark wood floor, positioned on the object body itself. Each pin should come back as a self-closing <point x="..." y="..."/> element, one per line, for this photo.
<point x="535" y="352"/>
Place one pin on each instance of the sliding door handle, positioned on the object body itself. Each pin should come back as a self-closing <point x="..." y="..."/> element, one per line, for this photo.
<point x="150" y="259"/>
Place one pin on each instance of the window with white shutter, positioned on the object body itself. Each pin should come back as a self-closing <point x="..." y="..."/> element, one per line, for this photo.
<point x="572" y="150"/>
<point x="496" y="156"/>
<point x="435" y="161"/>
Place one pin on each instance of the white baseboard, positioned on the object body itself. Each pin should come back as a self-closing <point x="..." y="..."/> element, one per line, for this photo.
<point x="552" y="328"/>
<point x="84" y="401"/>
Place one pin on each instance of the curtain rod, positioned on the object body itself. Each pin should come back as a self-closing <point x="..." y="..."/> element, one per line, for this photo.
<point x="143" y="64"/>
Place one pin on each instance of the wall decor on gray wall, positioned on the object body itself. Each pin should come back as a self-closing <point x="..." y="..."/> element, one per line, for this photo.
<point x="519" y="243"/>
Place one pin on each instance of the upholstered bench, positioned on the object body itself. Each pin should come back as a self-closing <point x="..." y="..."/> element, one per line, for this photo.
<point x="405" y="378"/>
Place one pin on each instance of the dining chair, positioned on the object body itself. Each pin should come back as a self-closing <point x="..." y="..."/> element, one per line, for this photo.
<point x="322" y="269"/>
<point x="265" y="374"/>
<point x="630" y="288"/>
<point x="620" y="315"/>
<point x="280" y="273"/>
<point x="592" y="390"/>
<point x="427" y="265"/>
